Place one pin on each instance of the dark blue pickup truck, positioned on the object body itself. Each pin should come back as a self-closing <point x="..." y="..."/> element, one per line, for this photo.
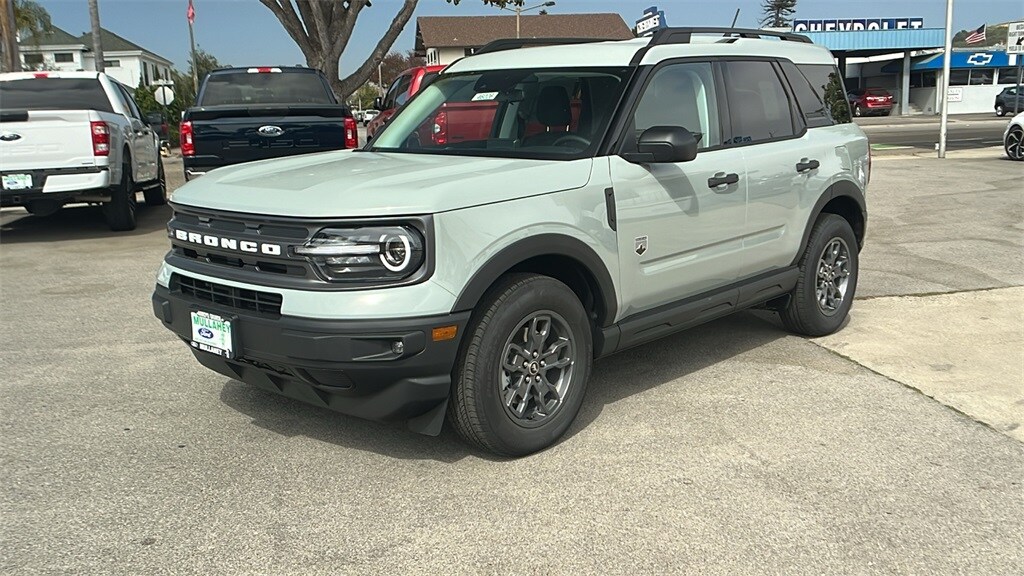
<point x="247" y="114"/>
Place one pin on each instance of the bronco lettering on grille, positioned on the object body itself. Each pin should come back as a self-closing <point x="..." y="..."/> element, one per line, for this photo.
<point x="228" y="243"/>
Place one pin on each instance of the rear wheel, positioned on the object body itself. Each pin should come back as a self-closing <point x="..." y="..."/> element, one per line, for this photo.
<point x="120" y="211"/>
<point x="857" y="111"/>
<point x="1014" y="144"/>
<point x="1000" y="111"/>
<point x="522" y="373"/>
<point x="156" y="195"/>
<point x="828" y="279"/>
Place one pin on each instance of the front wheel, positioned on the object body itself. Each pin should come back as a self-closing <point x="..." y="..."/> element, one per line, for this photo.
<point x="1000" y="111"/>
<point x="857" y="111"/>
<point x="156" y="195"/>
<point x="1014" y="144"/>
<point x="828" y="279"/>
<point x="522" y="373"/>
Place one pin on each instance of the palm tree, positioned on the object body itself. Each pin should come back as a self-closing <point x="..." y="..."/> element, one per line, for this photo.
<point x="24" y="18"/>
<point x="97" y="40"/>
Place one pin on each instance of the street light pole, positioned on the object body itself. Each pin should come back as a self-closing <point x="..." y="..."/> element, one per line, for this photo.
<point x="945" y="79"/>
<point x="519" y="10"/>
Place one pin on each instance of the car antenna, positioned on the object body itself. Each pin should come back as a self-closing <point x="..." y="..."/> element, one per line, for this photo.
<point x="735" y="18"/>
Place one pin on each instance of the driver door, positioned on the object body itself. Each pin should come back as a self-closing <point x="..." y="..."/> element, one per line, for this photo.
<point x="678" y="234"/>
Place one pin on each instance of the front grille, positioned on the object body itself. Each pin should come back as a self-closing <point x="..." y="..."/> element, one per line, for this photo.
<point x="238" y="298"/>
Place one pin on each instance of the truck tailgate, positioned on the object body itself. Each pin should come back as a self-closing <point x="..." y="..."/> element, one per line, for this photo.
<point x="46" y="139"/>
<point x="230" y="135"/>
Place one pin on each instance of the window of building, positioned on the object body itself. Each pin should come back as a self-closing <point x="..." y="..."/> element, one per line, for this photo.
<point x="1008" y="75"/>
<point x="111" y="63"/>
<point x="758" y="105"/>
<point x="63" y="57"/>
<point x="923" y="80"/>
<point x="981" y="77"/>
<point x="33" y="60"/>
<point x="959" y="77"/>
<point x="469" y="51"/>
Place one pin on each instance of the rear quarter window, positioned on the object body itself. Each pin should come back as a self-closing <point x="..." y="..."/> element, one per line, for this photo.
<point x="815" y="113"/>
<point x="828" y="84"/>
<point x="54" y="94"/>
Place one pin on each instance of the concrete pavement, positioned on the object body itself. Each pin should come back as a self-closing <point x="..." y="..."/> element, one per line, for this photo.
<point x="733" y="448"/>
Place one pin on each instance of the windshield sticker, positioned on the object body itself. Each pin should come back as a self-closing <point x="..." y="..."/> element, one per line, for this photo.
<point x="485" y="96"/>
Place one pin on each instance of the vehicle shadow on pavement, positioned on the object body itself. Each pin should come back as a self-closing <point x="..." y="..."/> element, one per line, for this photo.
<point x="612" y="379"/>
<point x="82" y="222"/>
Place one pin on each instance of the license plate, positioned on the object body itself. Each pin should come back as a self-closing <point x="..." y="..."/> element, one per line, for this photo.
<point x="17" y="181"/>
<point x="213" y="334"/>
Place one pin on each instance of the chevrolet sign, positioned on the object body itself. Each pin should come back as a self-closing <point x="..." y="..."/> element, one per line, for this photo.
<point x="228" y="243"/>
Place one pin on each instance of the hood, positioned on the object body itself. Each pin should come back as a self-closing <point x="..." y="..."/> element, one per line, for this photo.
<point x="366" y="184"/>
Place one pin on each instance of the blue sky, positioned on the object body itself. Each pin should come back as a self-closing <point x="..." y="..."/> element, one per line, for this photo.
<point x="244" y="32"/>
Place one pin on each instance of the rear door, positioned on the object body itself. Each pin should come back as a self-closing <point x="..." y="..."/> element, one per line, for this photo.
<point x="45" y="122"/>
<point x="679" y="233"/>
<point x="145" y="151"/>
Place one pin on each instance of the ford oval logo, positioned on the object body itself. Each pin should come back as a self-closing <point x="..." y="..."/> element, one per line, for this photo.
<point x="270" y="131"/>
<point x="10" y="136"/>
<point x="206" y="333"/>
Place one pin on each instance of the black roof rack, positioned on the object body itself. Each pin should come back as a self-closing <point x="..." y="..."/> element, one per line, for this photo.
<point x="683" y="35"/>
<point x="514" y="43"/>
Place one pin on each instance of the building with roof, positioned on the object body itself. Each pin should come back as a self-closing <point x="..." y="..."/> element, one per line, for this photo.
<point x="124" y="60"/>
<point x="444" y="39"/>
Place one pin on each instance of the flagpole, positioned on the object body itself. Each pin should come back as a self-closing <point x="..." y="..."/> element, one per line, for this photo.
<point x="192" y="41"/>
<point x="944" y="90"/>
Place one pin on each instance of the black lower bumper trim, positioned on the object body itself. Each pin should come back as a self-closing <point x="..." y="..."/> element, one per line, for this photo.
<point x="388" y="370"/>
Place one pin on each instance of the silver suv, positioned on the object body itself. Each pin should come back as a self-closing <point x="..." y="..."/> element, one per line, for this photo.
<point x="534" y="208"/>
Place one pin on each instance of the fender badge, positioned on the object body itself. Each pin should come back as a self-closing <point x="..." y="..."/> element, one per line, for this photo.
<point x="640" y="245"/>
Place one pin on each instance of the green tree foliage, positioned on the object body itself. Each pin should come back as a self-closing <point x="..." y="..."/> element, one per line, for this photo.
<point x="363" y="97"/>
<point x="778" y="13"/>
<point x="31" y="20"/>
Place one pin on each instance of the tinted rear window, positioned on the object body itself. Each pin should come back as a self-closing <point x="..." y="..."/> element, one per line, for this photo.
<point x="826" y="81"/>
<point x="814" y="111"/>
<point x="54" y="94"/>
<point x="243" y="88"/>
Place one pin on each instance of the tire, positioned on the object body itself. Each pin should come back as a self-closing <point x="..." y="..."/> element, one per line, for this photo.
<point x="1000" y="111"/>
<point x="832" y="238"/>
<point x="857" y="111"/>
<point x="1014" y="144"/>
<point x="157" y="195"/>
<point x="120" y="211"/>
<point x="487" y="407"/>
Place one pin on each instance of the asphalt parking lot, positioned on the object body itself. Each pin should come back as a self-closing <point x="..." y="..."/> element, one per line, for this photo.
<point x="733" y="448"/>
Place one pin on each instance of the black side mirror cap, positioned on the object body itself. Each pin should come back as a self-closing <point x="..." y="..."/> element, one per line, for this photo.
<point x="664" y="144"/>
<point x="378" y="103"/>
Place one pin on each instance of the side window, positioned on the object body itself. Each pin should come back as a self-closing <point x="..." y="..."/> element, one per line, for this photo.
<point x="681" y="95"/>
<point x="133" y="109"/>
<point x="403" y="90"/>
<point x="392" y="94"/>
<point x="828" y="84"/>
<point x="758" y="105"/>
<point x="120" y="97"/>
<point x="814" y="110"/>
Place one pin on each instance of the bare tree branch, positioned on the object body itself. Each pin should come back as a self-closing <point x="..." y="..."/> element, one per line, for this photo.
<point x="352" y="81"/>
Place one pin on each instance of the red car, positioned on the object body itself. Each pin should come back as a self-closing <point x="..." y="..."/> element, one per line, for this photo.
<point x="403" y="88"/>
<point x="868" y="101"/>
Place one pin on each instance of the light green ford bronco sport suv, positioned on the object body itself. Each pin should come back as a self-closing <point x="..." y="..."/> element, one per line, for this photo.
<point x="532" y="209"/>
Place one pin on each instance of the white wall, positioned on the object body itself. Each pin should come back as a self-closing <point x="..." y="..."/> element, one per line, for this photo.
<point x="446" y="56"/>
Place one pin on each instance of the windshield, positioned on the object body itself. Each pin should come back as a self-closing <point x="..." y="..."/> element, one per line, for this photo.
<point x="544" y="114"/>
<point x="244" y="88"/>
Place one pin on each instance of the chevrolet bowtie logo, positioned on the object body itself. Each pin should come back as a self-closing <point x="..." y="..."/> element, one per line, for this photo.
<point x="979" y="59"/>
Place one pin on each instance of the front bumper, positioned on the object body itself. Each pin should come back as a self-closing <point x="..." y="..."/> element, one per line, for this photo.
<point x="344" y="365"/>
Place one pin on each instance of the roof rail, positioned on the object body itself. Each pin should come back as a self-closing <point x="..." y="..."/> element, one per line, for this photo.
<point x="682" y="35"/>
<point x="514" y="43"/>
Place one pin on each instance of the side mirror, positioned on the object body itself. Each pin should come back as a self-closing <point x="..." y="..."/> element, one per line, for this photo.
<point x="378" y="103"/>
<point x="664" y="144"/>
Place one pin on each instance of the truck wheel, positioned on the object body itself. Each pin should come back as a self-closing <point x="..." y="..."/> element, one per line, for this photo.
<point x="120" y="211"/>
<point x="522" y="372"/>
<point x="828" y="279"/>
<point x="157" y="194"/>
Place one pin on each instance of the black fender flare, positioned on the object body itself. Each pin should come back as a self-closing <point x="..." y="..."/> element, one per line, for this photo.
<point x="532" y="247"/>
<point x="842" y="188"/>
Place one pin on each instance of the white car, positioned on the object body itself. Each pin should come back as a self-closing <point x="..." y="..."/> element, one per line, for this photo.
<point x="76" y="137"/>
<point x="1013" y="138"/>
<point x="369" y="115"/>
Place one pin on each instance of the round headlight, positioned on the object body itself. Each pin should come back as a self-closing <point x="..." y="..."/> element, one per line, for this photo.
<point x="395" y="252"/>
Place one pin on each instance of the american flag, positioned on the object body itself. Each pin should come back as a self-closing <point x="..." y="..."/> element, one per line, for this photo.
<point x="191" y="14"/>
<point x="976" y="36"/>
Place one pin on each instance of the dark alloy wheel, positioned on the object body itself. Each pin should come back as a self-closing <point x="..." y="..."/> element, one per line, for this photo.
<point x="120" y="211"/>
<point x="1014" y="144"/>
<point x="522" y="373"/>
<point x="828" y="279"/>
<point x="156" y="195"/>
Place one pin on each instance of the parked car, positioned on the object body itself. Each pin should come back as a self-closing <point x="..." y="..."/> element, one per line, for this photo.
<point x="476" y="280"/>
<point x="246" y="114"/>
<point x="1007" y="100"/>
<point x="1013" y="138"/>
<point x="405" y="86"/>
<point x="369" y="115"/>
<point x="76" y="137"/>
<point x="870" y="102"/>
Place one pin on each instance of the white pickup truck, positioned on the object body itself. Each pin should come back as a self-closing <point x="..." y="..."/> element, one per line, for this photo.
<point x="69" y="137"/>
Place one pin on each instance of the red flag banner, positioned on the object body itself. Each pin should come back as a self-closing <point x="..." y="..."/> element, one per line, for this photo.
<point x="191" y="12"/>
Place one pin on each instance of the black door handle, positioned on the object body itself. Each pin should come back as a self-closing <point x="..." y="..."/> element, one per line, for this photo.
<point x="805" y="165"/>
<point x="722" y="179"/>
